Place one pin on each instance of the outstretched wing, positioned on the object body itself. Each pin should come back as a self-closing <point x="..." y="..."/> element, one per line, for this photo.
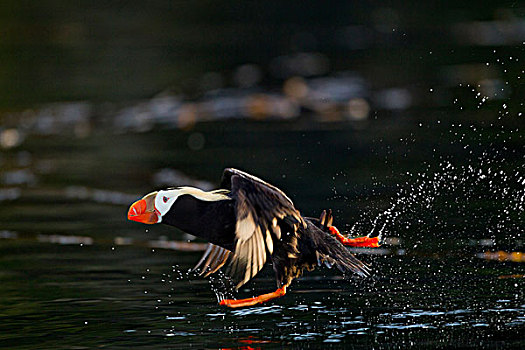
<point x="259" y="207"/>
<point x="213" y="259"/>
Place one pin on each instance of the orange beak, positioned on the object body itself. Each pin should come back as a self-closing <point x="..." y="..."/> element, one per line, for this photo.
<point x="144" y="210"/>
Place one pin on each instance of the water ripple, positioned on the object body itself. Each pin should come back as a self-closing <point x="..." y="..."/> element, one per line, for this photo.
<point x="275" y="309"/>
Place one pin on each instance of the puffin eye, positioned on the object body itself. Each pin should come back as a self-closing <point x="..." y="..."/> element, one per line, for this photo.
<point x="165" y="199"/>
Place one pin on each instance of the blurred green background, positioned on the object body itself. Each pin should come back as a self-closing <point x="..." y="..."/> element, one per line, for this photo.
<point x="121" y="50"/>
<point x="355" y="97"/>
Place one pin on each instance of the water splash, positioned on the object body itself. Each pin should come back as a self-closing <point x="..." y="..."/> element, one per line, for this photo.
<point x="222" y="285"/>
<point x="480" y="197"/>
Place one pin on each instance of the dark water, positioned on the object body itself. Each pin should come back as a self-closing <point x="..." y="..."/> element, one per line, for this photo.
<point x="87" y="297"/>
<point x="74" y="273"/>
<point x="405" y="119"/>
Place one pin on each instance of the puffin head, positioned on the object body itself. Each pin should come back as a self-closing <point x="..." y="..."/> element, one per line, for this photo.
<point x="151" y="208"/>
<point x="155" y="205"/>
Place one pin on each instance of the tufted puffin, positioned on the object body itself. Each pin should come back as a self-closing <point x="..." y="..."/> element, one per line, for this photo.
<point x="247" y="222"/>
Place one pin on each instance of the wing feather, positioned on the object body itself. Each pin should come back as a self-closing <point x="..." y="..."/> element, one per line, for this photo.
<point x="269" y="243"/>
<point x="204" y="256"/>
<point x="220" y="263"/>
<point x="213" y="259"/>
<point x="259" y="208"/>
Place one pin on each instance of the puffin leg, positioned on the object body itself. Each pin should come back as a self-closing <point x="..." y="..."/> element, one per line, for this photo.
<point x="234" y="303"/>
<point x="370" y="242"/>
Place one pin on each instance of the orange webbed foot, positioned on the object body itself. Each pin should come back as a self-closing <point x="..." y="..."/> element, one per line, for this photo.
<point x="235" y="303"/>
<point x="365" y="241"/>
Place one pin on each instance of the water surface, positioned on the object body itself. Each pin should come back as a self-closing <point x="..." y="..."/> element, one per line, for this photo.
<point x="75" y="273"/>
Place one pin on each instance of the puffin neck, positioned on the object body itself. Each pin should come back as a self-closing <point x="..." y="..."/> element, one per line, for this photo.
<point x="205" y="219"/>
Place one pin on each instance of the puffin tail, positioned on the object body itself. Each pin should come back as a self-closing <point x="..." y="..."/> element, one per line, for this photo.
<point x="330" y="252"/>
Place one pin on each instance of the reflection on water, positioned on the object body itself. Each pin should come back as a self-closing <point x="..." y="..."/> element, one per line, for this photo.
<point x="131" y="296"/>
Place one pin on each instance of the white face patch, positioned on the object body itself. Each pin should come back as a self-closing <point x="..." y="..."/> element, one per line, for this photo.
<point x="165" y="199"/>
